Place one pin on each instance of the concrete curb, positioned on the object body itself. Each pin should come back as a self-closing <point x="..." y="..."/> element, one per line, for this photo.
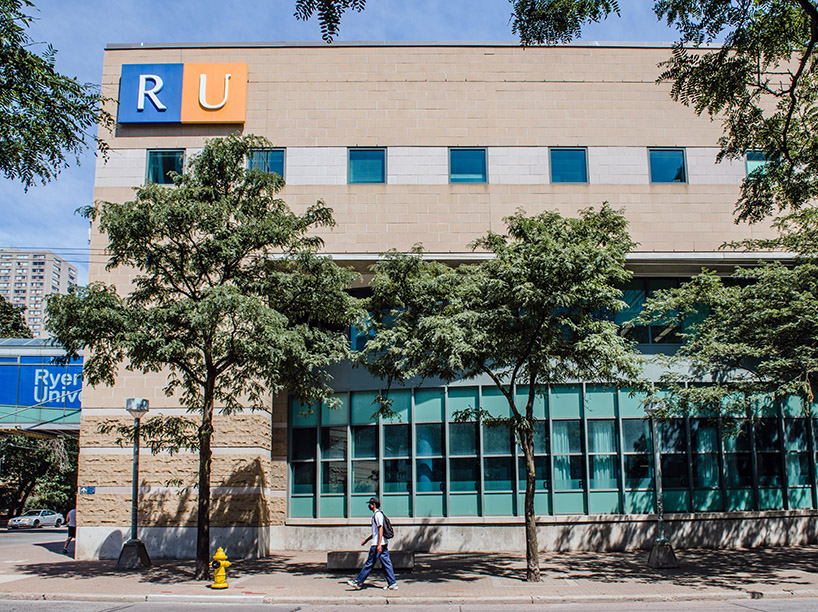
<point x="408" y="600"/>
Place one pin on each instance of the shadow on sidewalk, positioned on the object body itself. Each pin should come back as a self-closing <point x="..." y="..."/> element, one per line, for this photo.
<point x="726" y="569"/>
<point x="699" y="569"/>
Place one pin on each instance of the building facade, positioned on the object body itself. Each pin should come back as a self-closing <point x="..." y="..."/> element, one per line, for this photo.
<point x="437" y="144"/>
<point x="27" y="278"/>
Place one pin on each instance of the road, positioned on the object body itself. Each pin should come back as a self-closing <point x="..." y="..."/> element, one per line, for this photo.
<point x="34" y="537"/>
<point x="782" y="605"/>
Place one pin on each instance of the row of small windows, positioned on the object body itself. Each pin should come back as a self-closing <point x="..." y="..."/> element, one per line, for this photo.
<point x="368" y="165"/>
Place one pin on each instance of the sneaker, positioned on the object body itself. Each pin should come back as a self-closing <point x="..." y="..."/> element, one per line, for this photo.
<point x="391" y="587"/>
<point x="354" y="584"/>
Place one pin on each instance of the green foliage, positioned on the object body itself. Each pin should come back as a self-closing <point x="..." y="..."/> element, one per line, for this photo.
<point x="38" y="471"/>
<point x="556" y="21"/>
<point x="530" y="313"/>
<point x="756" y="344"/>
<point x="12" y="322"/>
<point x="229" y="286"/>
<point x="329" y="13"/>
<point x="160" y="433"/>
<point x="44" y="115"/>
<point x="230" y="298"/>
<point x="536" y="312"/>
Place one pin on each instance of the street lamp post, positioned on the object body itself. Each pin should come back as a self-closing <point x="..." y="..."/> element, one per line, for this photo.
<point x="661" y="553"/>
<point x="134" y="555"/>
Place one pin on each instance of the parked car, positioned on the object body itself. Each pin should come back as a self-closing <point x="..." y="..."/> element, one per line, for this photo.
<point x="37" y="518"/>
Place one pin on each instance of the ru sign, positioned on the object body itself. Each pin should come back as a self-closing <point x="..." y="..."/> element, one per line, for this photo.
<point x="183" y="93"/>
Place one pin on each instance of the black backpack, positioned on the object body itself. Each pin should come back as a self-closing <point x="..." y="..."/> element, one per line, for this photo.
<point x="388" y="532"/>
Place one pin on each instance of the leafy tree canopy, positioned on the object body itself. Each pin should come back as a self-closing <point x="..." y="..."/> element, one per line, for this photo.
<point x="756" y="343"/>
<point x="229" y="297"/>
<point x="12" y="322"/>
<point x="40" y="470"/>
<point x="532" y="314"/>
<point x="44" y="115"/>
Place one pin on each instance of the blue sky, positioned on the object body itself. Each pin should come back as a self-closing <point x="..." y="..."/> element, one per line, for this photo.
<point x="44" y="216"/>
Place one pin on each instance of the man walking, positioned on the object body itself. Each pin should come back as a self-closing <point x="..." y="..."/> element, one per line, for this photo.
<point x="72" y="529"/>
<point x="378" y="551"/>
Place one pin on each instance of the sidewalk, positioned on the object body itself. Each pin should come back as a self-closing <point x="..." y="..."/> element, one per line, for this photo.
<point x="296" y="577"/>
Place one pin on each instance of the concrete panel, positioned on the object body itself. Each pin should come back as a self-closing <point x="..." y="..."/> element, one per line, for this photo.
<point x="618" y="165"/>
<point x="518" y="165"/>
<point x="702" y="168"/>
<point x="417" y="166"/>
<point x="316" y="166"/>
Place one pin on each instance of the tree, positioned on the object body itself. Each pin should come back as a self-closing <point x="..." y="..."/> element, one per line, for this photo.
<point x="230" y="298"/>
<point x="12" y="323"/>
<point x="44" y="115"/>
<point x="534" y="313"/>
<point x="760" y="80"/>
<point x="751" y="336"/>
<point x="45" y="468"/>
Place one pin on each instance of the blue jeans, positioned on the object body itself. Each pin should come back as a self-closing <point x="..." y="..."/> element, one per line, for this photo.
<point x="386" y="562"/>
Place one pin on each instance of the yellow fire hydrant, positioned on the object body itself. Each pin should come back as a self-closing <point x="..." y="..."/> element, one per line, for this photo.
<point x="220" y="564"/>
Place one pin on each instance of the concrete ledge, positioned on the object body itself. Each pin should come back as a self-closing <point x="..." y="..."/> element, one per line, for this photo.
<point x="337" y="560"/>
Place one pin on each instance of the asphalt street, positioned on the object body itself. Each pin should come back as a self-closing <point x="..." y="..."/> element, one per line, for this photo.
<point x="34" y="537"/>
<point x="791" y="605"/>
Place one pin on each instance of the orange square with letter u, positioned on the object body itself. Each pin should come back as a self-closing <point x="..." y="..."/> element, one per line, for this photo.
<point x="214" y="93"/>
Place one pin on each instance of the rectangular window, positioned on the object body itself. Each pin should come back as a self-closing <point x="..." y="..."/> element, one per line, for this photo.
<point x="267" y="160"/>
<point x="569" y="166"/>
<point x="162" y="163"/>
<point x="467" y="165"/>
<point x="367" y="165"/>
<point x="667" y="166"/>
<point x="755" y="161"/>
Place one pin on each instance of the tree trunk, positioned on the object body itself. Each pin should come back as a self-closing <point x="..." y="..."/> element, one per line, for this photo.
<point x="203" y="524"/>
<point x="532" y="554"/>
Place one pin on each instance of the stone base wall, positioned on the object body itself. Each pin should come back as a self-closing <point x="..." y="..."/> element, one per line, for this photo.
<point x="594" y="533"/>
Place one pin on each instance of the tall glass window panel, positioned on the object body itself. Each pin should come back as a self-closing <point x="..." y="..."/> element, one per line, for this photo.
<point x="464" y="474"/>
<point x="738" y="471"/>
<point x="567" y="437"/>
<point x="463" y="439"/>
<point x="638" y="473"/>
<point x="333" y="476"/>
<point x="604" y="472"/>
<point x="333" y="442"/>
<point x="704" y="442"/>
<point x="365" y="442"/>
<point x="397" y="476"/>
<point x="540" y="471"/>
<point x="569" y="472"/>
<point x="430" y="475"/>
<point x="396" y="440"/>
<point x="267" y="160"/>
<point x="756" y="160"/>
<point x="367" y="165"/>
<point x="674" y="472"/>
<point x="498" y="473"/>
<point x="672" y="436"/>
<point x="429" y="439"/>
<point x="496" y="440"/>
<point x="467" y="165"/>
<point x="162" y="163"/>
<point x="364" y="476"/>
<point x="667" y="166"/>
<point x="636" y="436"/>
<point x="798" y="469"/>
<point x="601" y="436"/>
<point x="303" y="444"/>
<point x="569" y="166"/>
<point x="634" y="294"/>
<point x="304" y="478"/>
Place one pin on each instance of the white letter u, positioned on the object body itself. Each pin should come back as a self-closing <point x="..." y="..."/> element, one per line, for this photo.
<point x="203" y="93"/>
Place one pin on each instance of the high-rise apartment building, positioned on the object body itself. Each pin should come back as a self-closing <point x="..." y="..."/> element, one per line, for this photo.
<point x="27" y="278"/>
